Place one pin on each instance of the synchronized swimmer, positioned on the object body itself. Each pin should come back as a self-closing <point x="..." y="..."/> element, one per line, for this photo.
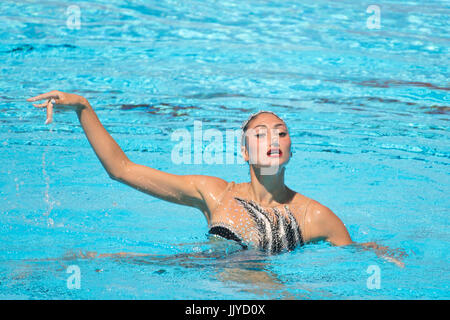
<point x="264" y="213"/>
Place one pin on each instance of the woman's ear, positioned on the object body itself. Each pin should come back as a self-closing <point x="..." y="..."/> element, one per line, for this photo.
<point x="244" y="153"/>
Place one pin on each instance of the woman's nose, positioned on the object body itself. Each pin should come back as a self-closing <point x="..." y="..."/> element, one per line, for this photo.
<point x="274" y="139"/>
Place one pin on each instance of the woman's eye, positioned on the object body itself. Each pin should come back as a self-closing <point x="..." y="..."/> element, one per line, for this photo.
<point x="283" y="134"/>
<point x="260" y="135"/>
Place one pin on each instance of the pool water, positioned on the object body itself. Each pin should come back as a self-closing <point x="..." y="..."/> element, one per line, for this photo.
<point x="368" y="112"/>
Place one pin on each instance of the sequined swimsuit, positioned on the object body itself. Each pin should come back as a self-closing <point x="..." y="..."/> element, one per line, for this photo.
<point x="274" y="233"/>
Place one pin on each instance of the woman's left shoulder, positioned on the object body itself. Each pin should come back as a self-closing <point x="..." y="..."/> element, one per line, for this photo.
<point x="310" y="206"/>
<point x="320" y="215"/>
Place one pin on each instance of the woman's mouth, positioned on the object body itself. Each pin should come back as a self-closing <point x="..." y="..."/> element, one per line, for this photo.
<point x="274" y="153"/>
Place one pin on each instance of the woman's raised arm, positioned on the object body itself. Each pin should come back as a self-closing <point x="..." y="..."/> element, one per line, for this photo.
<point x="107" y="150"/>
<point x="187" y="190"/>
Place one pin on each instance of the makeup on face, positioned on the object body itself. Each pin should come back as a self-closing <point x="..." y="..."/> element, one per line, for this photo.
<point x="278" y="144"/>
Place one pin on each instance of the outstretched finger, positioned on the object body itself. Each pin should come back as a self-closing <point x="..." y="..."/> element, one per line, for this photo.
<point x="49" y="112"/>
<point x="48" y="95"/>
<point x="40" y="105"/>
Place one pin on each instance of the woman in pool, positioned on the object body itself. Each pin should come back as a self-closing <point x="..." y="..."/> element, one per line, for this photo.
<point x="263" y="214"/>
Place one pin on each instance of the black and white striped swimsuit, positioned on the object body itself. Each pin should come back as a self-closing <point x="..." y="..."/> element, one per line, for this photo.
<point x="275" y="232"/>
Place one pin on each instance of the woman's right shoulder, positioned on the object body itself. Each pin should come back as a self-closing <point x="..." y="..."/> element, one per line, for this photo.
<point x="211" y="185"/>
<point x="212" y="190"/>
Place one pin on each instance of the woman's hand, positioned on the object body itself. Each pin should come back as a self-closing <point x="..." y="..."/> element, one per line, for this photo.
<point x="61" y="99"/>
<point x="391" y="255"/>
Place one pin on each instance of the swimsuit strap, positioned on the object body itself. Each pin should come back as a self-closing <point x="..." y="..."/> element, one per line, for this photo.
<point x="307" y="205"/>
<point x="222" y="195"/>
<point x="304" y="216"/>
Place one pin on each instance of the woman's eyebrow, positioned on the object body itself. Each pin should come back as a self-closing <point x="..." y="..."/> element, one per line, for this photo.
<point x="263" y="125"/>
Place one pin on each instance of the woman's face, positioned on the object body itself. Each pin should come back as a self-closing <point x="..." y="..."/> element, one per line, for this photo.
<point x="268" y="143"/>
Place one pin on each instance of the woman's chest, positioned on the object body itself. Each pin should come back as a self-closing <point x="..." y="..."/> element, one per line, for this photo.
<point x="271" y="229"/>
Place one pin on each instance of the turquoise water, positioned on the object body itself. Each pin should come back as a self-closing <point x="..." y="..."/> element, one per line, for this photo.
<point x="368" y="111"/>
